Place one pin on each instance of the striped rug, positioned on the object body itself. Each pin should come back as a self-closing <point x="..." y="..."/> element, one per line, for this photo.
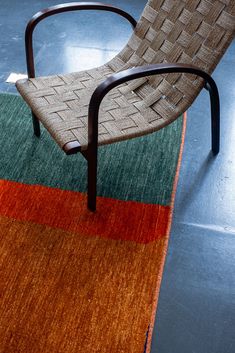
<point x="72" y="281"/>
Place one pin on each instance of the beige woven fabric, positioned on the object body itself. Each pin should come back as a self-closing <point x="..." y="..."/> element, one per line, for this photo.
<point x="173" y="31"/>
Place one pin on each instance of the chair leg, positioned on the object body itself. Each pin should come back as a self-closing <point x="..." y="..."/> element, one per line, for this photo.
<point x="92" y="181"/>
<point x="215" y="124"/>
<point x="36" y="125"/>
<point x="215" y="117"/>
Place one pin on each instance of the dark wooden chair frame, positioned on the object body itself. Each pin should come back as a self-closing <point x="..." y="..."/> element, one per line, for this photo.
<point x="114" y="80"/>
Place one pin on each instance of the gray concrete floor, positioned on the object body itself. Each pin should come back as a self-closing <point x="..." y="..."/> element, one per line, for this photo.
<point x="196" y="311"/>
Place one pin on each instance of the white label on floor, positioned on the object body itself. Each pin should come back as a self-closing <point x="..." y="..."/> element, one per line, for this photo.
<point x="13" y="77"/>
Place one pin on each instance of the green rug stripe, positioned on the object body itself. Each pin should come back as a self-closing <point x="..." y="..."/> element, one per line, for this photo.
<point x="142" y="169"/>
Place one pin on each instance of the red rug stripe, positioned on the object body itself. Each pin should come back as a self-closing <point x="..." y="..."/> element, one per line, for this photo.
<point x="67" y="210"/>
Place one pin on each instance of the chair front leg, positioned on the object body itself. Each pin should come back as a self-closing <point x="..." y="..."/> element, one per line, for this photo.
<point x="92" y="180"/>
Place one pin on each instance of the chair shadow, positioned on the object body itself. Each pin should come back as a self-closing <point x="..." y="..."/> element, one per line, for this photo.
<point x="197" y="182"/>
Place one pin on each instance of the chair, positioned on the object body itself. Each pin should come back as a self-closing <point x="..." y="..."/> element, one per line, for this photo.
<point x="175" y="46"/>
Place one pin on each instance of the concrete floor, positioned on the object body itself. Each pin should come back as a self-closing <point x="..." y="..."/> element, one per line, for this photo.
<point x="196" y="311"/>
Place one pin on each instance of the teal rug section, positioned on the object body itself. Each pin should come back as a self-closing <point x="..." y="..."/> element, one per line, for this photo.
<point x="141" y="169"/>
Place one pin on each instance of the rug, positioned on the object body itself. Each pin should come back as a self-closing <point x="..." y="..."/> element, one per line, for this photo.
<point x="72" y="280"/>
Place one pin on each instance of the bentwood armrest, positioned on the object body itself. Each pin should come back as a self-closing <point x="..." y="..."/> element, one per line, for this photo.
<point x="149" y="70"/>
<point x="73" y="6"/>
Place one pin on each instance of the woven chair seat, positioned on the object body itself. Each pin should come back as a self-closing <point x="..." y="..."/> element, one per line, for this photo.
<point x="61" y="103"/>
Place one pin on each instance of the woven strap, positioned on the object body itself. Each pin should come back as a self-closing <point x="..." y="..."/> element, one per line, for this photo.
<point x="61" y="103"/>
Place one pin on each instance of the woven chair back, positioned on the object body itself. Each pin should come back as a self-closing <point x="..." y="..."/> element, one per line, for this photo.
<point x="196" y="32"/>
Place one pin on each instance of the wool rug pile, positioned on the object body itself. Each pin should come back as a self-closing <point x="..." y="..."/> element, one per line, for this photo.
<point x="70" y="280"/>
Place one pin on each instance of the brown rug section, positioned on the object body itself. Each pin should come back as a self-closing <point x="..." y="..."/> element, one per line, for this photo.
<point x="61" y="292"/>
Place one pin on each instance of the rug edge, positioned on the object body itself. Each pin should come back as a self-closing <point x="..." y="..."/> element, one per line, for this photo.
<point x="159" y="280"/>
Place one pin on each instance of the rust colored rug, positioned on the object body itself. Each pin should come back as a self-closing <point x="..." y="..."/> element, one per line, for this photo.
<point x="72" y="281"/>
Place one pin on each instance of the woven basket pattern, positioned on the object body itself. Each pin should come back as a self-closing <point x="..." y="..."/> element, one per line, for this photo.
<point x="194" y="32"/>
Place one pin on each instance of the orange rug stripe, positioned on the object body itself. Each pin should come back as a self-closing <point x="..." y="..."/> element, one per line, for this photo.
<point x="114" y="219"/>
<point x="65" y="293"/>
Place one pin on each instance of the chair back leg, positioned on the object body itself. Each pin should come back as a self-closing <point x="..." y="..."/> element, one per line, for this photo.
<point x="215" y="116"/>
<point x="36" y="125"/>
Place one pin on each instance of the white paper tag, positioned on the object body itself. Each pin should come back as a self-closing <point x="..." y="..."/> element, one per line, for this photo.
<point x="13" y="77"/>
